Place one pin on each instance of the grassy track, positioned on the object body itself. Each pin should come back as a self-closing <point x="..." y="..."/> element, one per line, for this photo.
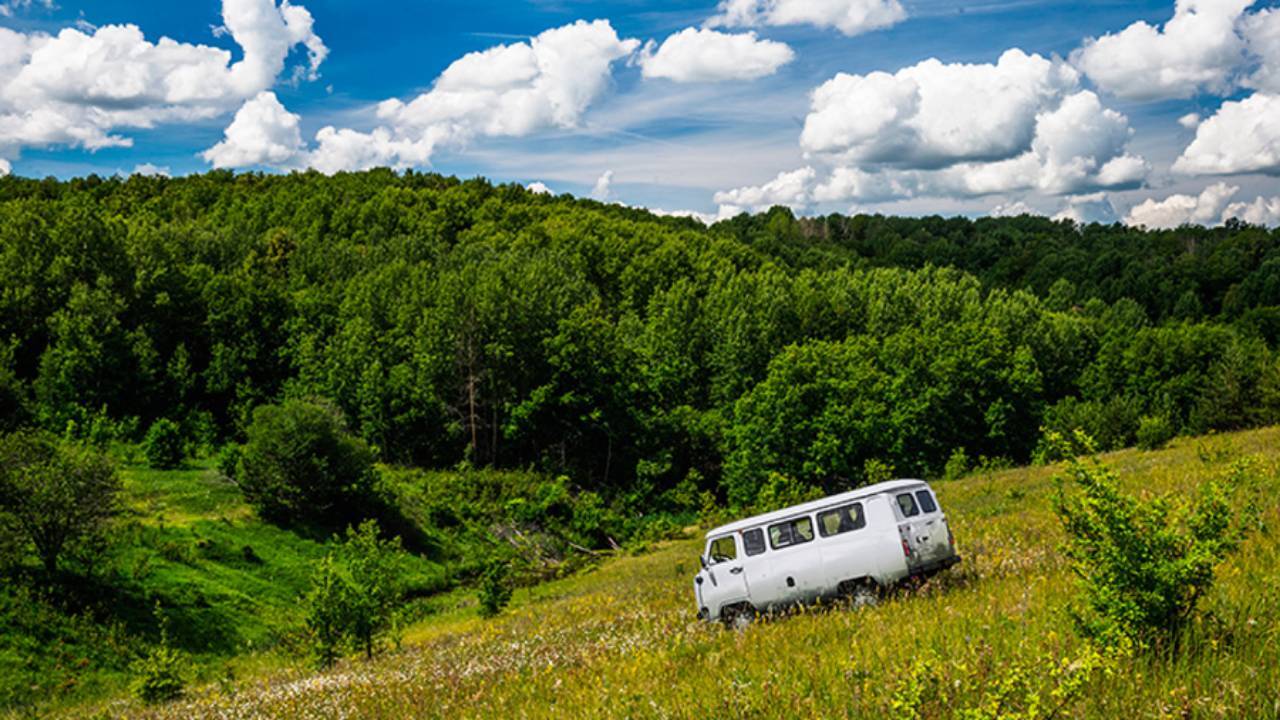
<point x="992" y="636"/>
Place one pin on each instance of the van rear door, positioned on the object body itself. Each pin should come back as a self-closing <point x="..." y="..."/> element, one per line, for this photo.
<point x="923" y="527"/>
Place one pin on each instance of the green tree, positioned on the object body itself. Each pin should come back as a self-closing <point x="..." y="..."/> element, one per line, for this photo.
<point x="355" y="594"/>
<point x="301" y="464"/>
<point x="60" y="496"/>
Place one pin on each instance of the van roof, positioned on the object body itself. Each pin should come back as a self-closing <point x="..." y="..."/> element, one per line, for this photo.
<point x="814" y="505"/>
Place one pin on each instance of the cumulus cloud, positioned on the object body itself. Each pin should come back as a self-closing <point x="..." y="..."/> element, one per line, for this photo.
<point x="78" y="88"/>
<point x="604" y="186"/>
<point x="1262" y="211"/>
<point x="1177" y="210"/>
<point x="506" y="91"/>
<point x="1200" y="48"/>
<point x="1243" y="136"/>
<point x="539" y="188"/>
<point x="1020" y="124"/>
<point x="5" y="167"/>
<point x="150" y="170"/>
<point x="851" y="17"/>
<point x="699" y="55"/>
<point x="1262" y="33"/>
<point x="262" y="133"/>
<point x="1090" y="208"/>
<point x="933" y="114"/>
<point x="1013" y="209"/>
<point x="791" y="189"/>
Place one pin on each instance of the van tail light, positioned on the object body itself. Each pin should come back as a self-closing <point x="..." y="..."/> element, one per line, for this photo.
<point x="906" y="548"/>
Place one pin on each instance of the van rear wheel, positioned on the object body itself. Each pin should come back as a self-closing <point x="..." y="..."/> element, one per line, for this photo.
<point x="861" y="593"/>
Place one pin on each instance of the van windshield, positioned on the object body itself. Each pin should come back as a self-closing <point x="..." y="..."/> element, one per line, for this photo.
<point x="791" y="532"/>
<point x="723" y="549"/>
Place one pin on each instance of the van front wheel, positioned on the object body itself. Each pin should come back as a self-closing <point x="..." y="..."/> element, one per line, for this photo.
<point x="738" y="617"/>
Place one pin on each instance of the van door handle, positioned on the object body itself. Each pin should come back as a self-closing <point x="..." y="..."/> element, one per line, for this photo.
<point x="735" y="571"/>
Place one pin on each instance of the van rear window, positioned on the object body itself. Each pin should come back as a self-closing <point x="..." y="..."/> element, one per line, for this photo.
<point x="907" y="504"/>
<point x="926" y="501"/>
<point x="791" y="532"/>
<point x="841" y="520"/>
<point x="753" y="541"/>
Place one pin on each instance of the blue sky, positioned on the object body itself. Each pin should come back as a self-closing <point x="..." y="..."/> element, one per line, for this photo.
<point x="1085" y="121"/>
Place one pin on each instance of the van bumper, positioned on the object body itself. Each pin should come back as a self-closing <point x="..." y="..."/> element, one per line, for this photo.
<point x="936" y="566"/>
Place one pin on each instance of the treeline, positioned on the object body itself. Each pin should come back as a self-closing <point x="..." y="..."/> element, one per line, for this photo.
<point x="651" y="360"/>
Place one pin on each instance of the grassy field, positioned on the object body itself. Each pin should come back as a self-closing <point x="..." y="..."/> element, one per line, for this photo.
<point x="989" y="639"/>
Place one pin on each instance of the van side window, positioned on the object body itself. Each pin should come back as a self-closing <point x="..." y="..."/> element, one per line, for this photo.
<point x="723" y="549"/>
<point x="791" y="532"/>
<point x="926" y="501"/>
<point x="753" y="541"/>
<point x="907" y="504"/>
<point x="841" y="520"/>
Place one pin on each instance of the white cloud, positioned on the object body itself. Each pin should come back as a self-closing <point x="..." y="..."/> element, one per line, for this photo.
<point x="1198" y="49"/>
<point x="1091" y="208"/>
<point x="603" y="189"/>
<point x="694" y="55"/>
<point x="262" y="133"/>
<point x="1190" y="121"/>
<point x="1262" y="33"/>
<point x="77" y="88"/>
<point x="539" y="188"/>
<point x="1013" y="209"/>
<point x="934" y="114"/>
<point x="851" y="17"/>
<point x="1177" y="210"/>
<point x="150" y="170"/>
<point x="1243" y="136"/>
<point x="5" y="167"/>
<point x="791" y="189"/>
<point x="506" y="91"/>
<point x="1262" y="211"/>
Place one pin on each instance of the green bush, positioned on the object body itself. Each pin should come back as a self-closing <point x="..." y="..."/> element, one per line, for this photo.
<point x="301" y="465"/>
<point x="160" y="674"/>
<point x="495" y="587"/>
<point x="164" y="446"/>
<point x="228" y="460"/>
<point x="1143" y="563"/>
<point x="957" y="465"/>
<point x="1155" y="431"/>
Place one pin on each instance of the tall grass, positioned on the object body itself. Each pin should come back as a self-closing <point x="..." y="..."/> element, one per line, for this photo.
<point x="990" y="638"/>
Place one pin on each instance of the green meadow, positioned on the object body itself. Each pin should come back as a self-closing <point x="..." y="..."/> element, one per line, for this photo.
<point x="991" y="638"/>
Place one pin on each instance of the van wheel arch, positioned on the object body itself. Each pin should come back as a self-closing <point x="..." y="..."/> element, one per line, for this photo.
<point x="738" y="615"/>
<point x="861" y="591"/>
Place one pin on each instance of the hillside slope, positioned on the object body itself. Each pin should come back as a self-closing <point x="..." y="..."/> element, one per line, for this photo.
<point x="621" y="641"/>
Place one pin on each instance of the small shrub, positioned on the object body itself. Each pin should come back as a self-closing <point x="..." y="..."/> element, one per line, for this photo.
<point x="160" y="673"/>
<point x="354" y="595"/>
<point x="957" y="465"/>
<point x="164" y="445"/>
<point x="495" y="587"/>
<point x="1155" y="431"/>
<point x="1143" y="564"/>
<point x="228" y="459"/>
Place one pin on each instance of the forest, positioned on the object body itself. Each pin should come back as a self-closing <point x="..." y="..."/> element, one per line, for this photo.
<point x="461" y="322"/>
<point x="485" y="367"/>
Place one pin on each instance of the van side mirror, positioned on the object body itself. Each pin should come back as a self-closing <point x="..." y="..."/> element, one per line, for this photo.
<point x="702" y="560"/>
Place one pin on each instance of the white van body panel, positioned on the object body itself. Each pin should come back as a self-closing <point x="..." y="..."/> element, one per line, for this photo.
<point x="876" y="535"/>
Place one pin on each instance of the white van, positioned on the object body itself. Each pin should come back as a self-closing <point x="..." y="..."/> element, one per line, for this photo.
<point x="852" y="544"/>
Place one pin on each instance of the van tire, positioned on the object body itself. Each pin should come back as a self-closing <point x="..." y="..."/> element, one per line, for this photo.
<point x="863" y="592"/>
<point x="738" y="617"/>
